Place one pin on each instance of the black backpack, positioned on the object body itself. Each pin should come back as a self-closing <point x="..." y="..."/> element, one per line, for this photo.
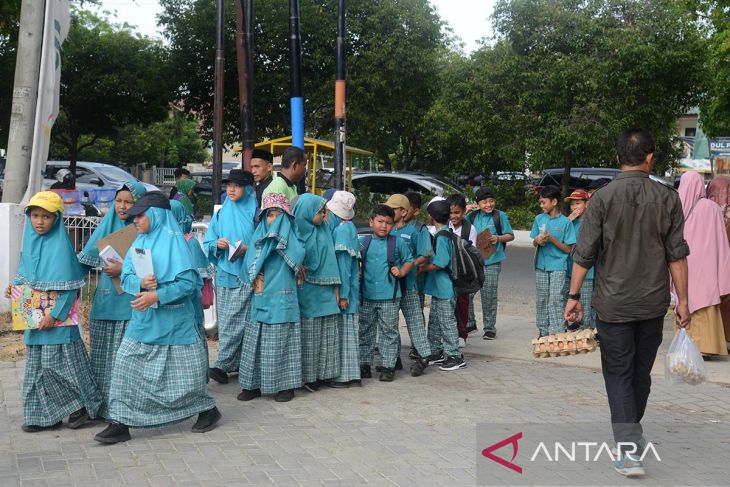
<point x="496" y="218"/>
<point x="390" y="252"/>
<point x="467" y="269"/>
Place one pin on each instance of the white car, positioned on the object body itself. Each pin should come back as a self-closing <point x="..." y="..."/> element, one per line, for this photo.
<point x="92" y="175"/>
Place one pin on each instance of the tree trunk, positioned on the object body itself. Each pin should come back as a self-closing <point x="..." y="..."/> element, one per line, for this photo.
<point x="565" y="181"/>
<point x="386" y="162"/>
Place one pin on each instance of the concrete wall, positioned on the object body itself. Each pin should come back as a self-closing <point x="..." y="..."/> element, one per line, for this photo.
<point x="11" y="236"/>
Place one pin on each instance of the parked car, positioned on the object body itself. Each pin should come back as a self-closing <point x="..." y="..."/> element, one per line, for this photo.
<point x="92" y="175"/>
<point x="401" y="182"/>
<point x="581" y="177"/>
<point x="204" y="182"/>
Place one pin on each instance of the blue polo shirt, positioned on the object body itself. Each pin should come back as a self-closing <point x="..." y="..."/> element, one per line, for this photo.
<point x="576" y="225"/>
<point x="438" y="283"/>
<point x="549" y="257"/>
<point x="486" y="220"/>
<point x="418" y="242"/>
<point x="378" y="283"/>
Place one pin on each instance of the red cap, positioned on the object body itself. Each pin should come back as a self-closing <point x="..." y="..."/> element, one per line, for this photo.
<point x="578" y="194"/>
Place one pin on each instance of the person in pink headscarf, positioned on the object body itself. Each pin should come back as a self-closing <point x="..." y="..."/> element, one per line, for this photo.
<point x="719" y="191"/>
<point x="708" y="262"/>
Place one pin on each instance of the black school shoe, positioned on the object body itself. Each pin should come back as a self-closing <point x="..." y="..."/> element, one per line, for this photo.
<point x="436" y="358"/>
<point x="207" y="420"/>
<point x="398" y="366"/>
<point x="247" y="395"/>
<point x="78" y="419"/>
<point x="365" y="372"/>
<point x="218" y="375"/>
<point x="30" y="428"/>
<point x="387" y="375"/>
<point x="419" y="367"/>
<point x="489" y="335"/>
<point x="284" y="396"/>
<point x="453" y="363"/>
<point x="114" y="433"/>
<point x="413" y="354"/>
<point x="313" y="386"/>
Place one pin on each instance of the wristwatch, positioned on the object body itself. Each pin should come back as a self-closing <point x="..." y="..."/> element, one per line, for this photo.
<point x="574" y="297"/>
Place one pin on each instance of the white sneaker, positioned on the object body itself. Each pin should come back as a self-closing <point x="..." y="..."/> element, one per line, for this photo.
<point x="630" y="466"/>
<point x="462" y="343"/>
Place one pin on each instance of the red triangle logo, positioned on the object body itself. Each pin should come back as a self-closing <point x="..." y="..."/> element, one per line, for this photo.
<point x="512" y="440"/>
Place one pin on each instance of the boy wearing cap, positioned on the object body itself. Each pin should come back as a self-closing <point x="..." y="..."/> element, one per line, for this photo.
<point x="381" y="292"/>
<point x="497" y="222"/>
<point x="442" y="332"/>
<point x="554" y="237"/>
<point x="418" y="241"/>
<point x="578" y="200"/>
<point x="347" y="249"/>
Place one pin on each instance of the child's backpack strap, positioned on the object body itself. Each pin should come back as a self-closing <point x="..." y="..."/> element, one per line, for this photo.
<point x="390" y="253"/>
<point x="465" y="229"/>
<point x="497" y="219"/>
<point x="365" y="246"/>
<point x="472" y="216"/>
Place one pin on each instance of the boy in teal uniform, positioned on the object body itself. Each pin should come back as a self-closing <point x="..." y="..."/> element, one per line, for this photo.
<point x="554" y="237"/>
<point x="381" y="293"/>
<point x="578" y="200"/>
<point x="442" y="331"/>
<point x="418" y="240"/>
<point x="482" y="219"/>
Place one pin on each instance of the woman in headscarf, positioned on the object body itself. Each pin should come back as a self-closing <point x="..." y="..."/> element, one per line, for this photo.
<point x="231" y="226"/>
<point x="184" y="193"/>
<point x="111" y="310"/>
<point x="58" y="380"/>
<point x="159" y="375"/>
<point x="719" y="191"/>
<point x="271" y="362"/>
<point x="708" y="264"/>
<point x="318" y="302"/>
<point x="347" y="250"/>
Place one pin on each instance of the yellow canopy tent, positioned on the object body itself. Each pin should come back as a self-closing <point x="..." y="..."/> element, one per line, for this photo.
<point x="321" y="155"/>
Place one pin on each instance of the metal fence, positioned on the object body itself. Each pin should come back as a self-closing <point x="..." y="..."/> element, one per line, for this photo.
<point x="163" y="176"/>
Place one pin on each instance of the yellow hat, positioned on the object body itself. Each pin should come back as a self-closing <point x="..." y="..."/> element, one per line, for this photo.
<point x="48" y="200"/>
<point x="398" y="201"/>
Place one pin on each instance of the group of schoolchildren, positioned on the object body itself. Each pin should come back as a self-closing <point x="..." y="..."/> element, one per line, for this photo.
<point x="301" y="300"/>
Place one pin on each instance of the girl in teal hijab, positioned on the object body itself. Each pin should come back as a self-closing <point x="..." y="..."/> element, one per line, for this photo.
<point x="111" y="310"/>
<point x="233" y="223"/>
<point x="159" y="375"/>
<point x="318" y="302"/>
<point x="183" y="194"/>
<point x="58" y="381"/>
<point x="272" y="363"/>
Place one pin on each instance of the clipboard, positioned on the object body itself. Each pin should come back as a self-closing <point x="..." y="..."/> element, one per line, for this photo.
<point x="484" y="245"/>
<point x="120" y="241"/>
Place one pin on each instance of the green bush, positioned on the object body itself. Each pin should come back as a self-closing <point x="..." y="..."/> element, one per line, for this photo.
<point x="521" y="217"/>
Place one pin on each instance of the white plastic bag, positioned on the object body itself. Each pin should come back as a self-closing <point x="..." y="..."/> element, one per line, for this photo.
<point x="684" y="362"/>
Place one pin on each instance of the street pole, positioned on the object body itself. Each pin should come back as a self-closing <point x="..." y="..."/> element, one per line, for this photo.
<point x="340" y="93"/>
<point x="218" y="105"/>
<point x="244" y="61"/>
<point x="295" y="76"/>
<point x="25" y="97"/>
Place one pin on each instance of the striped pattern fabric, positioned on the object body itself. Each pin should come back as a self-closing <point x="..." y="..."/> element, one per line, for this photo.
<point x="233" y="309"/>
<point x="157" y="385"/>
<point x="410" y="305"/>
<point x="550" y="301"/>
<point x="105" y="338"/>
<point x="586" y="299"/>
<point x="57" y="382"/>
<point x="271" y="359"/>
<point x="471" y="318"/>
<point x="349" y="351"/>
<point x="489" y="293"/>
<point x="442" y="332"/>
<point x="320" y="348"/>
<point x="379" y="317"/>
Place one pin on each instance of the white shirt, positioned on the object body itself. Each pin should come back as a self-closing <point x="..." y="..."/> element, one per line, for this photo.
<point x="472" y="233"/>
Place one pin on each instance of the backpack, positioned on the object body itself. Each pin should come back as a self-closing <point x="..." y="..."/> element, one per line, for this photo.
<point x="496" y="219"/>
<point x="390" y="253"/>
<point x="466" y="270"/>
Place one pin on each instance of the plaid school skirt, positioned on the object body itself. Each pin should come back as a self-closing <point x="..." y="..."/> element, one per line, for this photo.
<point x="271" y="359"/>
<point x="58" y="381"/>
<point x="157" y="385"/>
<point x="105" y="338"/>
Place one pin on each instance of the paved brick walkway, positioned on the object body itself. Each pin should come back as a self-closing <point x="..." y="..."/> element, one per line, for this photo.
<point x="412" y="432"/>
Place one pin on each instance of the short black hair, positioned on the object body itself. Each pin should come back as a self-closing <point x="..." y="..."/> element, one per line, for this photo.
<point x="382" y="210"/>
<point x="456" y="200"/>
<point x="291" y="156"/>
<point x="414" y="198"/>
<point x="633" y="146"/>
<point x="180" y="171"/>
<point x="550" y="192"/>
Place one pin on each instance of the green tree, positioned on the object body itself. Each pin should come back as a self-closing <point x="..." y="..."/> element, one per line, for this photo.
<point x="392" y="56"/>
<point x="583" y="70"/>
<point x="110" y="78"/>
<point x="9" y="18"/>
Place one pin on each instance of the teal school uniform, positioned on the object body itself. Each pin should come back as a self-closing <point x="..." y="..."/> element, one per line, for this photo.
<point x="442" y="329"/>
<point x="586" y="289"/>
<point x="549" y="257"/>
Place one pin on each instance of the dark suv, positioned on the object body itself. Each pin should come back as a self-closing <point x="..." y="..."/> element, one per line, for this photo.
<point x="581" y="177"/>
